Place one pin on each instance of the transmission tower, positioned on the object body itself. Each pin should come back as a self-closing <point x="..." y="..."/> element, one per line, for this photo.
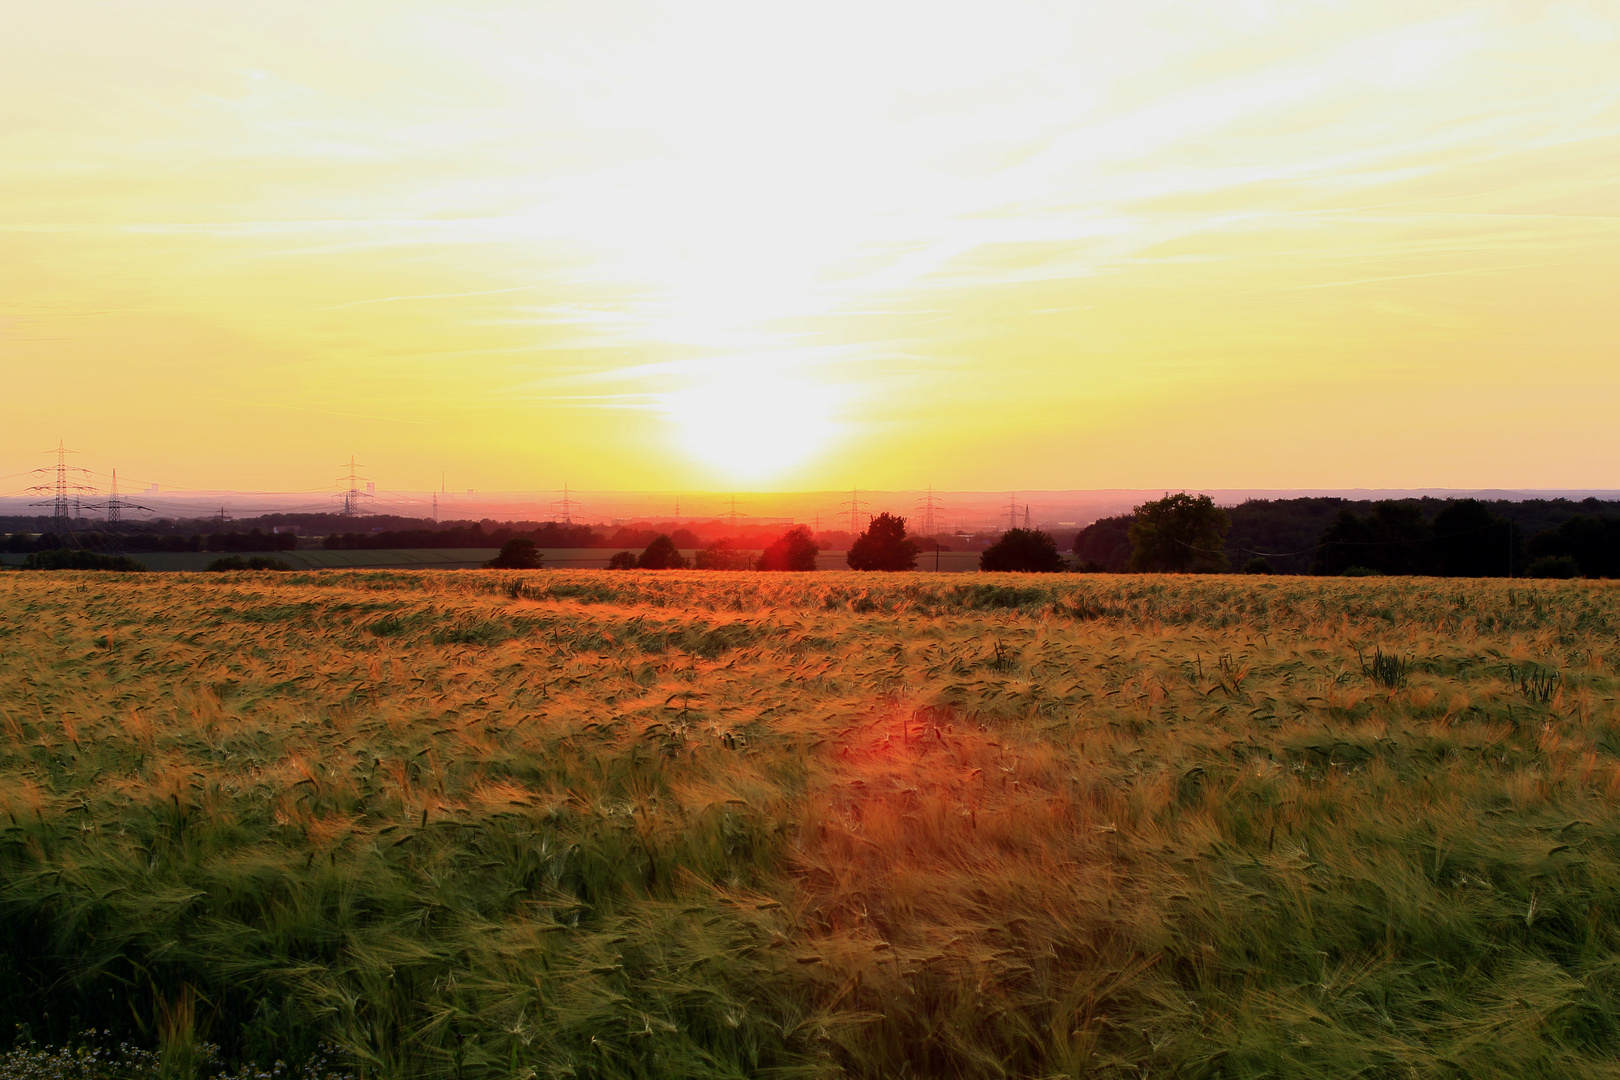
<point x="854" y="508"/>
<point x="1012" y="510"/>
<point x="1026" y="515"/>
<point x="115" y="505"/>
<point x="114" y="508"/>
<point x="732" y="514"/>
<point x="567" y="504"/>
<point x="928" y="506"/>
<point x="351" y="498"/>
<point x="61" y="515"/>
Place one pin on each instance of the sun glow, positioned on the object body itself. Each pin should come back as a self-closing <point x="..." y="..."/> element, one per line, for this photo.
<point x="755" y="425"/>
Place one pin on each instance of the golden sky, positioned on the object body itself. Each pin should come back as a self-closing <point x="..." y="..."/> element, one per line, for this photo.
<point x="767" y="246"/>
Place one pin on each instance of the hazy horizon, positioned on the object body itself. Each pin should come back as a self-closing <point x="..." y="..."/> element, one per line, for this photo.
<point x="972" y="509"/>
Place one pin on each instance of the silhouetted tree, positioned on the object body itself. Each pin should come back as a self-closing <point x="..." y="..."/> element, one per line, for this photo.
<point x="623" y="560"/>
<point x="516" y="554"/>
<point x="662" y="554"/>
<point x="1179" y="534"/>
<point x="794" y="550"/>
<point x="1023" y="550"/>
<point x="723" y="555"/>
<point x="883" y="546"/>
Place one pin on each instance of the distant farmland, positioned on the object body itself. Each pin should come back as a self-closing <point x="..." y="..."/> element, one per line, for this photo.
<point x="567" y="823"/>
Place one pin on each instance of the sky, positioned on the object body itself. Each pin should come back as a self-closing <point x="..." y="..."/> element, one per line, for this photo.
<point x="768" y="247"/>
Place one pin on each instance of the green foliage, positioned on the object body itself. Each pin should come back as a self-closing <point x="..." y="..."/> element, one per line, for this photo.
<point x="1022" y="550"/>
<point x="1536" y="682"/>
<point x="826" y="825"/>
<point x="883" y="546"/>
<point x="91" y="1055"/>
<point x="517" y="554"/>
<point x="1553" y="566"/>
<point x="252" y="562"/>
<point x="1179" y="533"/>
<point x="76" y="559"/>
<point x="1360" y="571"/>
<point x="662" y="554"/>
<point x="623" y="560"/>
<point x="794" y="550"/>
<point x="1386" y="669"/>
<point x="1257" y="565"/>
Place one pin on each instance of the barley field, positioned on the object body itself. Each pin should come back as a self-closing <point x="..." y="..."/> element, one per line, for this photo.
<point x="573" y="824"/>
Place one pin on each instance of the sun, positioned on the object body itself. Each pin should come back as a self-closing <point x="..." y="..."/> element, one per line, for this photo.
<point x="755" y="425"/>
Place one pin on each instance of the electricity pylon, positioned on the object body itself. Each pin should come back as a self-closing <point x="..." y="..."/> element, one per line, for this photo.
<point x="115" y="506"/>
<point x="854" y="508"/>
<point x="567" y="503"/>
<point x="351" y="498"/>
<point x="61" y="516"/>
<point x="928" y="506"/>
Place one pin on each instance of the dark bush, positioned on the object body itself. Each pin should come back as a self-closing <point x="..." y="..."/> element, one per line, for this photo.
<point x="517" y="554"/>
<point x="1257" y="565"/>
<point x="794" y="550"/>
<point x="1553" y="566"/>
<point x="1027" y="551"/>
<point x="624" y="560"/>
<point x="662" y="554"/>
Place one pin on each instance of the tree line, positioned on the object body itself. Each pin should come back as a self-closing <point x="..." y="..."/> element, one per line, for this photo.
<point x="1444" y="538"/>
<point x="97" y="540"/>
